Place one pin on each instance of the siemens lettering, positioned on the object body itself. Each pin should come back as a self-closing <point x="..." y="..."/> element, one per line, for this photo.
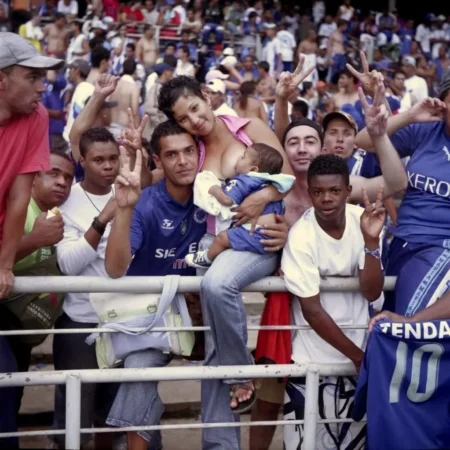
<point x="421" y="182"/>
<point x="164" y="253"/>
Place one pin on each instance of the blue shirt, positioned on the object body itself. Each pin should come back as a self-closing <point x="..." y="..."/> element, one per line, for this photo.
<point x="364" y="164"/>
<point x="424" y="215"/>
<point x="241" y="186"/>
<point x="53" y="98"/>
<point x="404" y="385"/>
<point x="163" y="231"/>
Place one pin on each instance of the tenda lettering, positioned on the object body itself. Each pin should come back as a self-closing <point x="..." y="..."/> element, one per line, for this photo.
<point x="423" y="183"/>
<point x="417" y="330"/>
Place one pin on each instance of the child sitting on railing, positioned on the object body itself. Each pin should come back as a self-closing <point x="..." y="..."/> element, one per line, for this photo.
<point x="259" y="166"/>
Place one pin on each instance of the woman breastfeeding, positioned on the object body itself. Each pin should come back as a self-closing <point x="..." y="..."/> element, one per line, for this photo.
<point x="222" y="142"/>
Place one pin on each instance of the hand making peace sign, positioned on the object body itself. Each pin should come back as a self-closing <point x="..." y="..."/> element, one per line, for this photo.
<point x="374" y="215"/>
<point x="376" y="114"/>
<point x="289" y="82"/>
<point x="131" y="137"/>
<point x="128" y="182"/>
<point x="368" y="80"/>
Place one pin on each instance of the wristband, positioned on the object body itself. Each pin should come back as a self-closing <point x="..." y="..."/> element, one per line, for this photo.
<point x="375" y="253"/>
<point x="98" y="226"/>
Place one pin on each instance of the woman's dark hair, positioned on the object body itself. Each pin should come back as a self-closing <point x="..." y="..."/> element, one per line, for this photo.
<point x="176" y="88"/>
<point x="247" y="89"/>
<point x="329" y="165"/>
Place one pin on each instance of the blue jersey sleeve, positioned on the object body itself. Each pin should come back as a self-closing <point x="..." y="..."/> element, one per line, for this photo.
<point x="407" y="140"/>
<point x="140" y="223"/>
<point x="238" y="188"/>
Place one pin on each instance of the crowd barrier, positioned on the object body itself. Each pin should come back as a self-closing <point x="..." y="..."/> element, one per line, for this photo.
<point x="74" y="378"/>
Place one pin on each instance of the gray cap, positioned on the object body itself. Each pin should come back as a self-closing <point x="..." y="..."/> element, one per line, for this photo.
<point x="15" y="50"/>
<point x="82" y="65"/>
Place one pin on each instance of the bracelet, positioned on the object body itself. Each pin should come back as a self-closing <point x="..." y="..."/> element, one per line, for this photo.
<point x="375" y="253"/>
<point x="98" y="226"/>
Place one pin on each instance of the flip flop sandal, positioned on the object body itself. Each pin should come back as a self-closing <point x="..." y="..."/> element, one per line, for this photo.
<point x="246" y="405"/>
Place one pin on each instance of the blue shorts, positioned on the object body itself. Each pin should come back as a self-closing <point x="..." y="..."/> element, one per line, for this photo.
<point x="423" y="276"/>
<point x="242" y="241"/>
<point x="288" y="66"/>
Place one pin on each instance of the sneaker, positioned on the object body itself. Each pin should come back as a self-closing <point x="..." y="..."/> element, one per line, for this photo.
<point x="198" y="260"/>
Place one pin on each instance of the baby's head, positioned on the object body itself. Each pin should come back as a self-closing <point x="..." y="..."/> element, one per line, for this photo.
<point x="260" y="158"/>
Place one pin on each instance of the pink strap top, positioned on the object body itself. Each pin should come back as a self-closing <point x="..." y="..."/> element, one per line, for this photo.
<point x="235" y="125"/>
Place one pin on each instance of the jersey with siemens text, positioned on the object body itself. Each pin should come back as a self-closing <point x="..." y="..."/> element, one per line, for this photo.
<point x="163" y="231"/>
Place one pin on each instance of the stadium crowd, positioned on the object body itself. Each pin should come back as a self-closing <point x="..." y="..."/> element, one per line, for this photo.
<point x="233" y="140"/>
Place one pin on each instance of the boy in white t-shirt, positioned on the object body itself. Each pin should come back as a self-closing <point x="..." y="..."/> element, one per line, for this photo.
<point x="332" y="239"/>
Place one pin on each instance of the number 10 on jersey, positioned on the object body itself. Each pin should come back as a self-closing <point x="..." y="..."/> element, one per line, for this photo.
<point x="431" y="374"/>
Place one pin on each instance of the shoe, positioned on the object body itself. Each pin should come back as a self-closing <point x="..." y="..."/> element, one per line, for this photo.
<point x="198" y="260"/>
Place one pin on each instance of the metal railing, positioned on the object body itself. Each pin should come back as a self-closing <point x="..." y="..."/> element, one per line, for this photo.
<point x="74" y="378"/>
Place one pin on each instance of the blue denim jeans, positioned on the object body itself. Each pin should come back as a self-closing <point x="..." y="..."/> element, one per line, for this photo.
<point x="8" y="397"/>
<point x="212" y="28"/>
<point x="226" y="344"/>
<point x="139" y="404"/>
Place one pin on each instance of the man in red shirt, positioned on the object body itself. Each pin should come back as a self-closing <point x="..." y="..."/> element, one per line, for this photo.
<point x="23" y="140"/>
<point x="23" y="152"/>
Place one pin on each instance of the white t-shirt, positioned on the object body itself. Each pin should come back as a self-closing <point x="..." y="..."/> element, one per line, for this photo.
<point x="318" y="11"/>
<point x="437" y="34"/>
<point x="423" y="35"/>
<point x="71" y="9"/>
<point x="75" y="46"/>
<point x="311" y="254"/>
<point x="225" y="110"/>
<point x="186" y="68"/>
<point x="327" y="29"/>
<point x="270" y="52"/>
<point x="288" y="45"/>
<point x="417" y="86"/>
<point x="75" y="255"/>
<point x="82" y="92"/>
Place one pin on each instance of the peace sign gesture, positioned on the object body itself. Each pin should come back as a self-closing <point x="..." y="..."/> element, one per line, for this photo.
<point x="373" y="217"/>
<point x="376" y="114"/>
<point x="128" y="182"/>
<point x="131" y="137"/>
<point x="289" y="82"/>
<point x="368" y="80"/>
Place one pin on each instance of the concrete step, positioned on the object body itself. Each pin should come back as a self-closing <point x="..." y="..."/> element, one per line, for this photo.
<point x="172" y="439"/>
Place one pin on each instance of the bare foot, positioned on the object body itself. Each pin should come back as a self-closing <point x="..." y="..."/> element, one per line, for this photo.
<point x="240" y="393"/>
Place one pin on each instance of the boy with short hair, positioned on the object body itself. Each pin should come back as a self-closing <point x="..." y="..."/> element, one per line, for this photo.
<point x="332" y="238"/>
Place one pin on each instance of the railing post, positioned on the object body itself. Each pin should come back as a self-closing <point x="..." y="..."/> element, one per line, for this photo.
<point x="73" y="412"/>
<point x="311" y="407"/>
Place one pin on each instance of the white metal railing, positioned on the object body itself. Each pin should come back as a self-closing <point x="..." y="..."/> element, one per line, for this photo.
<point x="73" y="379"/>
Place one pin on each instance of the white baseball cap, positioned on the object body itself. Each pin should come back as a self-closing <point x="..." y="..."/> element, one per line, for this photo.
<point x="216" y="86"/>
<point x="213" y="74"/>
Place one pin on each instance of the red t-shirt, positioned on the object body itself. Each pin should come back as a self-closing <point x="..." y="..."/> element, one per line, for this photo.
<point x="134" y="15"/>
<point x="24" y="148"/>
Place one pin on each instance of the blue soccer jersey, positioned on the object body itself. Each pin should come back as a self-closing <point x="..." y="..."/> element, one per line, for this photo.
<point x="404" y="385"/>
<point x="163" y="231"/>
<point x="424" y="215"/>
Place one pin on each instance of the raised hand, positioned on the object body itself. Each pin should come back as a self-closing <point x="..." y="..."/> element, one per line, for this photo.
<point x="428" y="110"/>
<point x="289" y="82"/>
<point x="131" y="137"/>
<point x="376" y="114"/>
<point x="128" y="182"/>
<point x="368" y="80"/>
<point x="373" y="217"/>
<point x="106" y="84"/>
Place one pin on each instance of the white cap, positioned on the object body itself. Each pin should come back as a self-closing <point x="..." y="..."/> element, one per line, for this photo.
<point x="116" y="42"/>
<point x="228" y="52"/>
<point x="216" y="86"/>
<point x="107" y="20"/>
<point x="98" y="24"/>
<point x="229" y="61"/>
<point x="270" y="26"/>
<point x="215" y="74"/>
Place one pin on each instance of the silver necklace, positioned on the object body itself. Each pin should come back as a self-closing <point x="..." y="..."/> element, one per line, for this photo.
<point x="90" y="199"/>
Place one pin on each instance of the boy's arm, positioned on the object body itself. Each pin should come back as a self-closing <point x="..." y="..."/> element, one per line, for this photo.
<point x="220" y="196"/>
<point x="328" y="330"/>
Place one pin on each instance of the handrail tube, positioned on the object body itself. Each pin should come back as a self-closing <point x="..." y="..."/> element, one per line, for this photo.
<point x="154" y="285"/>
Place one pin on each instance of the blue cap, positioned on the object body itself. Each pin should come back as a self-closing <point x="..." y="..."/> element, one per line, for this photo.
<point x="162" y="67"/>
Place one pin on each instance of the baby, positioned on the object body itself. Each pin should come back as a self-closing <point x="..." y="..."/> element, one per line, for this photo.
<point x="259" y="166"/>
